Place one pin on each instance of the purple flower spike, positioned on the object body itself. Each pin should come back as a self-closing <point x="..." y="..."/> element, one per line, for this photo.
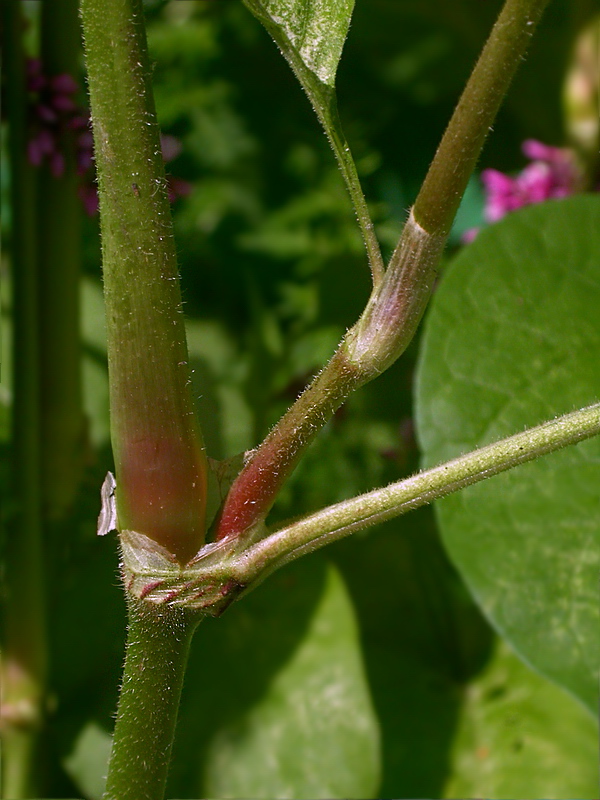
<point x="177" y="187"/>
<point x="79" y="122"/>
<point x="42" y="145"/>
<point x="34" y="153"/>
<point x="61" y="102"/>
<point x="35" y="79"/>
<point x="45" y="113"/>
<point x="57" y="164"/>
<point x="170" y="146"/>
<point x="89" y="197"/>
<point x="469" y="235"/>
<point x="64" y="83"/>
<point x="85" y="160"/>
<point x="501" y="194"/>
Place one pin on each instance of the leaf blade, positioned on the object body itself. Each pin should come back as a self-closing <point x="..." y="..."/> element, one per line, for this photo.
<point x="310" y="33"/>
<point x="511" y="339"/>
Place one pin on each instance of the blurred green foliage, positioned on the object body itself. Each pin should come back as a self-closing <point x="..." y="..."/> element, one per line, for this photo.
<point x="273" y="271"/>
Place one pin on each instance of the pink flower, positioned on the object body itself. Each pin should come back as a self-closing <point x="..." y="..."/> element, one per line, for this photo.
<point x="57" y="123"/>
<point x="89" y="198"/>
<point x="38" y="147"/>
<point x="553" y="173"/>
<point x="64" y="84"/>
<point x="170" y="146"/>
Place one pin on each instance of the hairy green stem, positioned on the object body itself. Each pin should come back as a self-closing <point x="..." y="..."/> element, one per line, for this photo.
<point x="159" y="456"/>
<point x="157" y="650"/>
<point x="59" y="265"/>
<point x="398" y="301"/>
<point x="327" y="112"/>
<point x="256" y="487"/>
<point x="340" y="520"/>
<point x="461" y="144"/>
<point x="24" y="667"/>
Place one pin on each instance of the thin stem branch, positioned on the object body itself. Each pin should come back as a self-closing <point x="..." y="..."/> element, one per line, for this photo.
<point x="340" y="520"/>
<point x="323" y="99"/>
<point x="157" y="651"/>
<point x="457" y="154"/>
<point x="329" y="116"/>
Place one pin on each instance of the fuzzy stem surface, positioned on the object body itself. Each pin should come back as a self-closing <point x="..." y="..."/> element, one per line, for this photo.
<point x="340" y="520"/>
<point x="157" y="649"/>
<point x="157" y="444"/>
<point x="457" y="154"/>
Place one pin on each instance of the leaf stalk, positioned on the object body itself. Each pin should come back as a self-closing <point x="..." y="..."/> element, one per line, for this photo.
<point x="340" y="520"/>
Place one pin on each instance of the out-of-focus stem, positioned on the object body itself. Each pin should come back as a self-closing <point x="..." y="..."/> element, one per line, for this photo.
<point x="157" y="444"/>
<point x="59" y="256"/>
<point x="23" y="669"/>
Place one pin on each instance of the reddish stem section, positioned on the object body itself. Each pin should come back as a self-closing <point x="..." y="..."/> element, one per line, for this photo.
<point x="161" y="492"/>
<point x="256" y="487"/>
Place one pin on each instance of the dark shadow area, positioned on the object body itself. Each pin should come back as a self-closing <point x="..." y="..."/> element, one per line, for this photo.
<point x="423" y="638"/>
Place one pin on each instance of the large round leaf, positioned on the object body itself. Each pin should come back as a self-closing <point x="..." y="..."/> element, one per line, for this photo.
<point x="512" y="339"/>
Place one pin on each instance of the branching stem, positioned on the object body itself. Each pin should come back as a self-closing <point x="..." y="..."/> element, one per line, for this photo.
<point x="398" y="301"/>
<point x="340" y="520"/>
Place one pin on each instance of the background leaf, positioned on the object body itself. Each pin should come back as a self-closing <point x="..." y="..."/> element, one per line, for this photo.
<point x="518" y="735"/>
<point x="512" y="339"/>
<point x="276" y="702"/>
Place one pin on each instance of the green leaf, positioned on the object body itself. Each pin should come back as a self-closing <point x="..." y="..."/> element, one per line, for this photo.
<point x="276" y="702"/>
<point x="88" y="759"/>
<point x="512" y="339"/>
<point x="310" y="33"/>
<point x="460" y="715"/>
<point x="518" y="735"/>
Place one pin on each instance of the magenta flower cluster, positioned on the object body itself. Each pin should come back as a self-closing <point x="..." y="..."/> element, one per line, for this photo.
<point x="57" y="123"/>
<point x="553" y="173"/>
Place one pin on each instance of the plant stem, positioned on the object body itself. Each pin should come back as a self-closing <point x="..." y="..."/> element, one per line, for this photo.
<point x="323" y="99"/>
<point x="328" y="114"/>
<point x="24" y="655"/>
<point x="397" y="302"/>
<point x="457" y="154"/>
<point x="157" y="444"/>
<point x="157" y="650"/>
<point x="59" y="261"/>
<point x="340" y="520"/>
<point x="256" y="487"/>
